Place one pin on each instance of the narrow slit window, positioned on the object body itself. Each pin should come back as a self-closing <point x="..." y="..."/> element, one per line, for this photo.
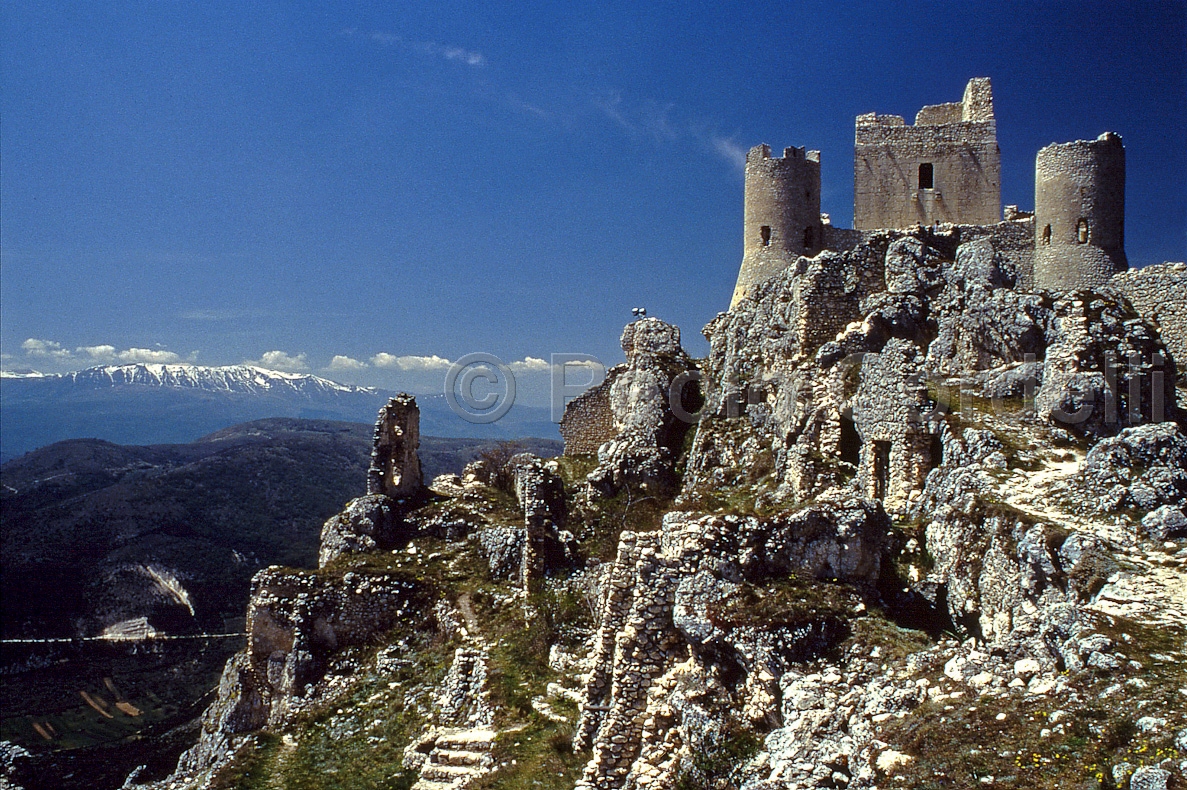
<point x="765" y="232"/>
<point x="1082" y="231"/>
<point x="1046" y="237"/>
<point x="926" y="176"/>
<point x="809" y="237"/>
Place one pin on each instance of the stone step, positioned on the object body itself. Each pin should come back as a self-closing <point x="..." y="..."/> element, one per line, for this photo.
<point x="448" y="773"/>
<point x="458" y="757"/>
<point x="467" y="740"/>
<point x="429" y="784"/>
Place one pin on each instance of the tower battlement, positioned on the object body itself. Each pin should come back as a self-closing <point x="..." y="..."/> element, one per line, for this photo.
<point x="781" y="215"/>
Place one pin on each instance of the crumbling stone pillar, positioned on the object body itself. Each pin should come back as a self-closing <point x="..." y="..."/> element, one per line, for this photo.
<point x="395" y="466"/>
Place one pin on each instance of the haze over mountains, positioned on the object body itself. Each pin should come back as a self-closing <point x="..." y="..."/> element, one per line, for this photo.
<point x="157" y="404"/>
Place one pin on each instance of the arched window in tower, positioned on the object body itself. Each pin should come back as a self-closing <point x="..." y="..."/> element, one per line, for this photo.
<point x="1082" y="231"/>
<point x="765" y="232"/>
<point x="809" y="237"/>
<point x="1045" y="238"/>
<point x="926" y="176"/>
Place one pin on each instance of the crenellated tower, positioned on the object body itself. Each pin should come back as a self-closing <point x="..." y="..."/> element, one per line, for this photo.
<point x="781" y="216"/>
<point x="1079" y="213"/>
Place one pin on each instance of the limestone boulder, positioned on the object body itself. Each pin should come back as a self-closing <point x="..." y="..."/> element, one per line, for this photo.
<point x="1143" y="467"/>
<point x="648" y="431"/>
<point x="369" y="523"/>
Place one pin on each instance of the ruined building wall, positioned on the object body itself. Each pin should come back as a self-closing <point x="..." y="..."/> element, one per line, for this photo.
<point x="395" y="466"/>
<point x="1159" y="294"/>
<point x="1079" y="213"/>
<point x="781" y="215"/>
<point x="588" y="421"/>
<point x="945" y="168"/>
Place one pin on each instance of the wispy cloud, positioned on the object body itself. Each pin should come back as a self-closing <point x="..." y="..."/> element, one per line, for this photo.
<point x="647" y="119"/>
<point x="730" y="151"/>
<point x="410" y="362"/>
<point x="660" y="123"/>
<point x="280" y="360"/>
<point x="457" y="54"/>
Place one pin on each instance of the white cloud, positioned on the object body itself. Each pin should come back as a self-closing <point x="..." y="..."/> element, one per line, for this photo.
<point x="45" y="349"/>
<point x="102" y="352"/>
<point x="149" y="355"/>
<point x="410" y="362"/>
<point x="730" y="151"/>
<point x="279" y="360"/>
<point x="343" y="363"/>
<point x="529" y="365"/>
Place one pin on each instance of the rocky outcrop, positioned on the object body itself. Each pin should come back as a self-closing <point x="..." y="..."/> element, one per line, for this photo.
<point x="1143" y="468"/>
<point x="651" y="406"/>
<point x="1159" y="294"/>
<point x="369" y="523"/>
<point x="913" y="324"/>
<point x="297" y="625"/>
<point x="699" y="616"/>
<point x="1105" y="368"/>
<point x="997" y="573"/>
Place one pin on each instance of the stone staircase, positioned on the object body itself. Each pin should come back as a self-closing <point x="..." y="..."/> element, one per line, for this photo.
<point x="455" y="757"/>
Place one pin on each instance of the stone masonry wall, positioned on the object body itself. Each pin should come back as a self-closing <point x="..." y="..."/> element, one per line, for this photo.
<point x="1159" y="294"/>
<point x="588" y="421"/>
<point x="395" y="466"/>
<point x="961" y="148"/>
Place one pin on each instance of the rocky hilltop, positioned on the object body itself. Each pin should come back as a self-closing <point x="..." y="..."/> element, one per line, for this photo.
<point x="906" y="526"/>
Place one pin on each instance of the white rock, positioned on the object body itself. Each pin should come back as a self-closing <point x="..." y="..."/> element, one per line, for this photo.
<point x="890" y="759"/>
<point x="1027" y="668"/>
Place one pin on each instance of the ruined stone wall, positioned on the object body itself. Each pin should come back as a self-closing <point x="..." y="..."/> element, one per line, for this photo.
<point x="395" y="466"/>
<point x="781" y="215"/>
<point x="588" y="421"/>
<point x="889" y="411"/>
<point x="1080" y="213"/>
<point x="1014" y="241"/>
<point x="827" y="293"/>
<point x="958" y="141"/>
<point x="1159" y="293"/>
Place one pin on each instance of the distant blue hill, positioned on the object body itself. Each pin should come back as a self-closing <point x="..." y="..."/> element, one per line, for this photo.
<point x="162" y="404"/>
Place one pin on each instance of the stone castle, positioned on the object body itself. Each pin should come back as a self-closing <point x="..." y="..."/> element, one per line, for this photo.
<point x="945" y="170"/>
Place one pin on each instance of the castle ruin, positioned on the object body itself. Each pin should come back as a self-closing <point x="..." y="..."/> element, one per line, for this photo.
<point x="395" y="465"/>
<point x="945" y="168"/>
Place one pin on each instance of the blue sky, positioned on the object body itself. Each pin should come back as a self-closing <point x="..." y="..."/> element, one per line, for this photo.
<point x="290" y="183"/>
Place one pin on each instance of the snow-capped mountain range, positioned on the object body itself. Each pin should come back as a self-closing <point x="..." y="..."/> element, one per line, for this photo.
<point x="225" y="378"/>
<point x="163" y="404"/>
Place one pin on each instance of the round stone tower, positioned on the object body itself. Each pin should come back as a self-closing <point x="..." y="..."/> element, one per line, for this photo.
<point x="781" y="216"/>
<point x="1079" y="214"/>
